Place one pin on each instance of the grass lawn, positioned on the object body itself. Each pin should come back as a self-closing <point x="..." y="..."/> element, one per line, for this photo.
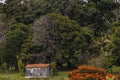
<point x="62" y="75"/>
<point x="115" y="69"/>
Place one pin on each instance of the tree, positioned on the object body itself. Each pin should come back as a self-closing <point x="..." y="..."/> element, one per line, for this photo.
<point x="3" y="29"/>
<point x="94" y="14"/>
<point x="19" y="10"/>
<point x="62" y="39"/>
<point x="16" y="37"/>
<point x="113" y="58"/>
<point x="68" y="32"/>
<point x="116" y="43"/>
<point x="42" y="7"/>
<point x="117" y="12"/>
<point x="26" y="11"/>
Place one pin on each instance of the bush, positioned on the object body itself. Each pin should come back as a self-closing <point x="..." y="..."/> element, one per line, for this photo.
<point x="90" y="73"/>
<point x="21" y="67"/>
<point x="54" y="67"/>
<point x="4" y="66"/>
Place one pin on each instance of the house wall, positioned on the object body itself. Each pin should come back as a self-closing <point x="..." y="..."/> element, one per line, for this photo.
<point x="37" y="72"/>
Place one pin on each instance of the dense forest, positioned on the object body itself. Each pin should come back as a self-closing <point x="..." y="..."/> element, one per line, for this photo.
<point x="65" y="32"/>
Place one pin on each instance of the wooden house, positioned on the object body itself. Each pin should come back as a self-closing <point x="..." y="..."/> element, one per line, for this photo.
<point x="38" y="70"/>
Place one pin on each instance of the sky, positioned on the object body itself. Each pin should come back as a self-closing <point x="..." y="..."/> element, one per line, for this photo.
<point x="2" y="1"/>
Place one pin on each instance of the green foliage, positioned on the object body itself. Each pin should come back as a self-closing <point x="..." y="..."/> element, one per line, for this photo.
<point x="54" y="67"/>
<point x="17" y="34"/>
<point x="66" y="40"/>
<point x="16" y="37"/>
<point x="19" y="10"/>
<point x="21" y="66"/>
<point x="109" y="61"/>
<point x="113" y="58"/>
<point x="116" y="42"/>
<point x="4" y="66"/>
<point x="116" y="69"/>
<point x="68" y="32"/>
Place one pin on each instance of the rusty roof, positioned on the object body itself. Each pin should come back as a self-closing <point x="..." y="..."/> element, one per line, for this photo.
<point x="37" y="65"/>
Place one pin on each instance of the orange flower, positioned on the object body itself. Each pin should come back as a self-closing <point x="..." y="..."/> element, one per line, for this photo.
<point x="75" y="71"/>
<point x="101" y="70"/>
<point x="110" y="75"/>
<point x="89" y="72"/>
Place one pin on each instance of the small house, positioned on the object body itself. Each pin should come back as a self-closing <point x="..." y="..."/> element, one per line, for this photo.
<point x="38" y="70"/>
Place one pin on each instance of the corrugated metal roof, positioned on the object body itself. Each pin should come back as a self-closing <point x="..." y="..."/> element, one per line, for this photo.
<point x="37" y="65"/>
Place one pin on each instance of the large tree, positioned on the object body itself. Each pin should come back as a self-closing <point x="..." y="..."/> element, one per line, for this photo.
<point x="62" y="40"/>
<point x="76" y="30"/>
<point x="116" y="43"/>
<point x="20" y="10"/>
<point x="17" y="35"/>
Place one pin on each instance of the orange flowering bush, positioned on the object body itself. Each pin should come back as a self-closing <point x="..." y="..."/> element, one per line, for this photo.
<point x="89" y="73"/>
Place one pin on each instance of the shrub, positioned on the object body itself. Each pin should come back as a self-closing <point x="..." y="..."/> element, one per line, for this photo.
<point x="4" y="66"/>
<point x="90" y="73"/>
<point x="54" y="67"/>
<point x="20" y="66"/>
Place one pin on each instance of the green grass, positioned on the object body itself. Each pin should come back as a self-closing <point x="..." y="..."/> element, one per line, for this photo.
<point x="116" y="69"/>
<point x="62" y="75"/>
